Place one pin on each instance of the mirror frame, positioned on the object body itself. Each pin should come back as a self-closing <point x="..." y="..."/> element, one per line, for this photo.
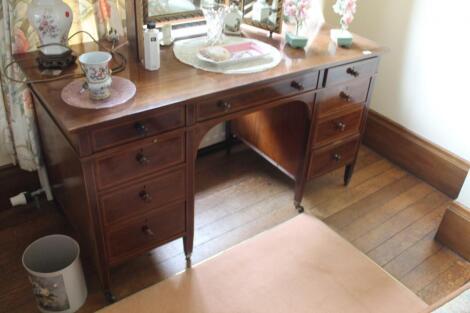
<point x="277" y="28"/>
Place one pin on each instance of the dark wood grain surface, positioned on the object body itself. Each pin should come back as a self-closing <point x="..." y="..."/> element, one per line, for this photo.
<point x="176" y="82"/>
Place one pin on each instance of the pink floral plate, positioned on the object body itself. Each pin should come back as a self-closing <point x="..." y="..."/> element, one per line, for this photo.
<point x="122" y="90"/>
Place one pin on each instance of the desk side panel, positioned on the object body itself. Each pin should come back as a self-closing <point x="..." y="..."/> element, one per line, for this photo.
<point x="66" y="176"/>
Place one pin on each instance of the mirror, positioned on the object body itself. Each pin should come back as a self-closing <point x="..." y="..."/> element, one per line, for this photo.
<point x="265" y="14"/>
<point x="167" y="10"/>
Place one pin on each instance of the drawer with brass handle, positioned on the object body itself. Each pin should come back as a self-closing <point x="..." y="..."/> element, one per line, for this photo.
<point x="142" y="197"/>
<point x="144" y="233"/>
<point x="150" y="125"/>
<point x="142" y="158"/>
<point x="352" y="71"/>
<point x="337" y="127"/>
<point x="326" y="159"/>
<point x="234" y="101"/>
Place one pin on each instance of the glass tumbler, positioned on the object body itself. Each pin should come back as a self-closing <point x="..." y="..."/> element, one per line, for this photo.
<point x="214" y="13"/>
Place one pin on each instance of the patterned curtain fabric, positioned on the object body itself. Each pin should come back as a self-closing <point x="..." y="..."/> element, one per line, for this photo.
<point x="17" y="129"/>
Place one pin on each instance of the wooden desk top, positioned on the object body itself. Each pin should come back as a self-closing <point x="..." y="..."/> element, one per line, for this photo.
<point x="176" y="82"/>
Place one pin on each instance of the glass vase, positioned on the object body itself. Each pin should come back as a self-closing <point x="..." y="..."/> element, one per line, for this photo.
<point x="214" y="13"/>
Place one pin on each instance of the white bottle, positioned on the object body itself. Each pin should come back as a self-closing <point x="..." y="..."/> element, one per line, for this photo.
<point x="151" y="48"/>
<point x="261" y="11"/>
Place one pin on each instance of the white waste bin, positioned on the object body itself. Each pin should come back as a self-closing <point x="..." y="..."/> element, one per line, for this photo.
<point x="55" y="271"/>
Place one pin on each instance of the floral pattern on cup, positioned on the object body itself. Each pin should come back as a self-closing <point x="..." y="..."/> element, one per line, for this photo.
<point x="98" y="79"/>
<point x="96" y="73"/>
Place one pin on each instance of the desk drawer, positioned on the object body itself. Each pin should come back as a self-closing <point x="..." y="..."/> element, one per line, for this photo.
<point x="143" y="158"/>
<point x="233" y="102"/>
<point x="150" y="125"/>
<point x="144" y="233"/>
<point x="332" y="157"/>
<point x="346" y="97"/>
<point x="352" y="71"/>
<point x="143" y="197"/>
<point x="337" y="127"/>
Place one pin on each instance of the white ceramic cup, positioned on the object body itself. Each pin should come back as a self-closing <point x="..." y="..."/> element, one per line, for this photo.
<point x="95" y="65"/>
<point x="55" y="271"/>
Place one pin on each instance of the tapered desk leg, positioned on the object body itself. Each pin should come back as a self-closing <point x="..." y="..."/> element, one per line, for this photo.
<point x="188" y="246"/>
<point x="298" y="195"/>
<point x="228" y="137"/>
<point x="348" y="172"/>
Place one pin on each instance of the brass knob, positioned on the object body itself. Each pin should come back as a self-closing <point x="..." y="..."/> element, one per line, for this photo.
<point x="345" y="96"/>
<point x="145" y="196"/>
<point x="352" y="71"/>
<point x="340" y="126"/>
<point x="224" y="105"/>
<point x="337" y="157"/>
<point x="297" y="85"/>
<point x="142" y="159"/>
<point x="141" y="129"/>
<point x="147" y="230"/>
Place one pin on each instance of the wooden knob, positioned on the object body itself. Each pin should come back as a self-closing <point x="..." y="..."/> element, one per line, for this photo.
<point x="340" y="126"/>
<point x="297" y="85"/>
<point x="141" y="158"/>
<point x="147" y="230"/>
<point x="145" y="196"/>
<point x="224" y="105"/>
<point x="337" y="157"/>
<point x="141" y="129"/>
<point x="352" y="71"/>
<point x="345" y="96"/>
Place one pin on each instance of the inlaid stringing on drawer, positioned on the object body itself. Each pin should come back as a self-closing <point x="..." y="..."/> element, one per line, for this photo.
<point x="229" y="103"/>
<point x="332" y="157"/>
<point x="143" y="196"/>
<point x="351" y="71"/>
<point x="345" y="97"/>
<point x="145" y="232"/>
<point x="150" y="125"/>
<point x="139" y="159"/>
<point x="337" y="127"/>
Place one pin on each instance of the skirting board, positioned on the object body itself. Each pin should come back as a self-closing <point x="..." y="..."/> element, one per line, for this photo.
<point x="454" y="231"/>
<point x="13" y="181"/>
<point x="433" y="164"/>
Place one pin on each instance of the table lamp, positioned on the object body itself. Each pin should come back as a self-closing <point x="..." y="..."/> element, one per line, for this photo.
<point x="52" y="20"/>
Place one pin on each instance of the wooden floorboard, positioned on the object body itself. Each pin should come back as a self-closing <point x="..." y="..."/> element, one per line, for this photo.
<point x="387" y="213"/>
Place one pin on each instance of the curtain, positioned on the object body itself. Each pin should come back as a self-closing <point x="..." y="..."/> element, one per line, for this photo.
<point x="18" y="131"/>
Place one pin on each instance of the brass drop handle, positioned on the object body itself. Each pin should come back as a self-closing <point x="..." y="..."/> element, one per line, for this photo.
<point x="352" y="71"/>
<point x="297" y="85"/>
<point x="145" y="196"/>
<point x="224" y="105"/>
<point x="337" y="157"/>
<point x="142" y="159"/>
<point x="341" y="126"/>
<point x="141" y="129"/>
<point x="345" y="96"/>
<point x="147" y="230"/>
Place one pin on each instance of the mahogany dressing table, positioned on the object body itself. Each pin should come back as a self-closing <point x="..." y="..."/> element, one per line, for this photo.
<point x="124" y="177"/>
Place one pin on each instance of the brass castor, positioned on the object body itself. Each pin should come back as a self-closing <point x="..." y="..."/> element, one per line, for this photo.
<point x="299" y="207"/>
<point x="110" y="298"/>
<point x="188" y="260"/>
